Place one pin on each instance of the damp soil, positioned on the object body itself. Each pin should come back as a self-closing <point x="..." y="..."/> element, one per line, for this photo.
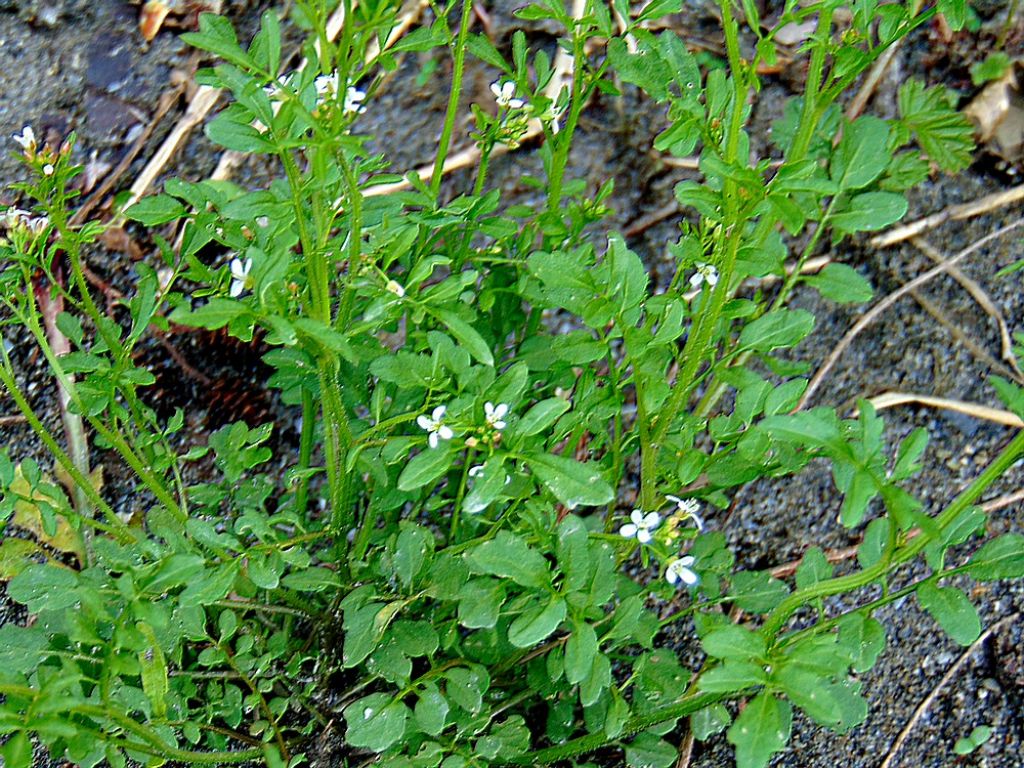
<point x="81" y="65"/>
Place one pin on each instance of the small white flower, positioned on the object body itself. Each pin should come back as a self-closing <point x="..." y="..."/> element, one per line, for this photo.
<point x="27" y="140"/>
<point x="706" y="273"/>
<point x="688" y="508"/>
<point x="239" y="276"/>
<point x="505" y="94"/>
<point x="14" y="217"/>
<point x="354" y="101"/>
<point x="262" y="222"/>
<point x="326" y="84"/>
<point x="396" y="288"/>
<point x="476" y="471"/>
<point x="435" y="427"/>
<point x="551" y="116"/>
<point x="679" y="571"/>
<point x="641" y="526"/>
<point x="494" y="415"/>
<point x="37" y="224"/>
<point x="48" y="170"/>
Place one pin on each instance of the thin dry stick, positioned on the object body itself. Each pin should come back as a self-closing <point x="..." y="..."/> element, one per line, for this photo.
<point x="199" y="107"/>
<point x="959" y="335"/>
<point x="562" y="74"/>
<point x="685" y="751"/>
<point x="983" y="412"/>
<point x="8" y="420"/>
<point x="983" y="300"/>
<point x="950" y="674"/>
<point x="872" y="314"/>
<point x="977" y="207"/>
<point x="1003" y="501"/>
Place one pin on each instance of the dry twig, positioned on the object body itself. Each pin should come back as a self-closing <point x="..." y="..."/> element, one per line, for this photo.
<point x="872" y="314"/>
<point x="977" y="207"/>
<point x="950" y="674"/>
<point x="983" y="300"/>
<point x="983" y="412"/>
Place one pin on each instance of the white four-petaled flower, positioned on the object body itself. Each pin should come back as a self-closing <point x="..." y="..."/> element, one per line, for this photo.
<point x="27" y="140"/>
<point x="505" y="94"/>
<point x="641" y="526"/>
<point x="354" y="101"/>
<point x="688" y="508"/>
<point x="239" y="276"/>
<point x="679" y="571"/>
<point x="494" y="415"/>
<point x="435" y="427"/>
<point x="706" y="273"/>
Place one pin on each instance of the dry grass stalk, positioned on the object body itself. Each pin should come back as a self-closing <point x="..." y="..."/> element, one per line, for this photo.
<point x="872" y="314"/>
<point x="983" y="412"/>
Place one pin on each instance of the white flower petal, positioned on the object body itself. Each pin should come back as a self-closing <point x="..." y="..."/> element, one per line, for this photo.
<point x="439" y="412"/>
<point x="696" y="279"/>
<point x="500" y="410"/>
<point x="236" y="289"/>
<point x="425" y="423"/>
<point x="445" y="432"/>
<point x="643" y="536"/>
<point x="652" y="520"/>
<point x="637" y="516"/>
<point x="628" y="530"/>
<point x="499" y="424"/>
<point x="432" y="439"/>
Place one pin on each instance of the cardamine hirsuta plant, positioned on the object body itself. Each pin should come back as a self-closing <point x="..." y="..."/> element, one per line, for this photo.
<point x="511" y="440"/>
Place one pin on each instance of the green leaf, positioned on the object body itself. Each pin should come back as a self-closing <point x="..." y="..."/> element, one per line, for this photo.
<point x="861" y="156"/>
<point x="815" y="695"/>
<point x="375" y="722"/>
<point x="993" y="67"/>
<point x="413" y="548"/>
<point x="734" y="642"/>
<point x="757" y="591"/>
<point x="955" y="12"/>
<point x="760" y="730"/>
<point x="648" y="751"/>
<point x="233" y="129"/>
<point x="863" y="640"/>
<point x="537" y="622"/>
<point x="217" y="36"/>
<point x="466" y="686"/>
<point x="505" y="740"/>
<point x="952" y="610"/>
<point x="426" y="467"/>
<point x="541" y="416"/>
<point x="155" y="210"/>
<point x="869" y="212"/>
<point x="778" y="329"/>
<point x="580" y="650"/>
<point x="574" y="484"/>
<point x="732" y="676"/>
<point x="466" y="335"/>
<point x="486" y="486"/>
<point x="44" y="587"/>
<point x="216" y="313"/>
<point x="17" y="751"/>
<point x="943" y="132"/>
<point x="706" y="722"/>
<point x="431" y="711"/>
<point x="311" y="580"/>
<point x="1001" y="558"/>
<point x="509" y="556"/>
<point x="480" y="603"/>
<point x="814" y="567"/>
<point x="842" y="284"/>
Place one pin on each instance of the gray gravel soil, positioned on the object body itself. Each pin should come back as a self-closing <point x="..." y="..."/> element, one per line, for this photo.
<point x="82" y="65"/>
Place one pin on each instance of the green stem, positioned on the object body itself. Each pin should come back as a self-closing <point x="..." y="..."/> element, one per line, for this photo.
<point x="118" y="528"/>
<point x="451" y="114"/>
<point x="305" y="449"/>
<point x="777" y="619"/>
